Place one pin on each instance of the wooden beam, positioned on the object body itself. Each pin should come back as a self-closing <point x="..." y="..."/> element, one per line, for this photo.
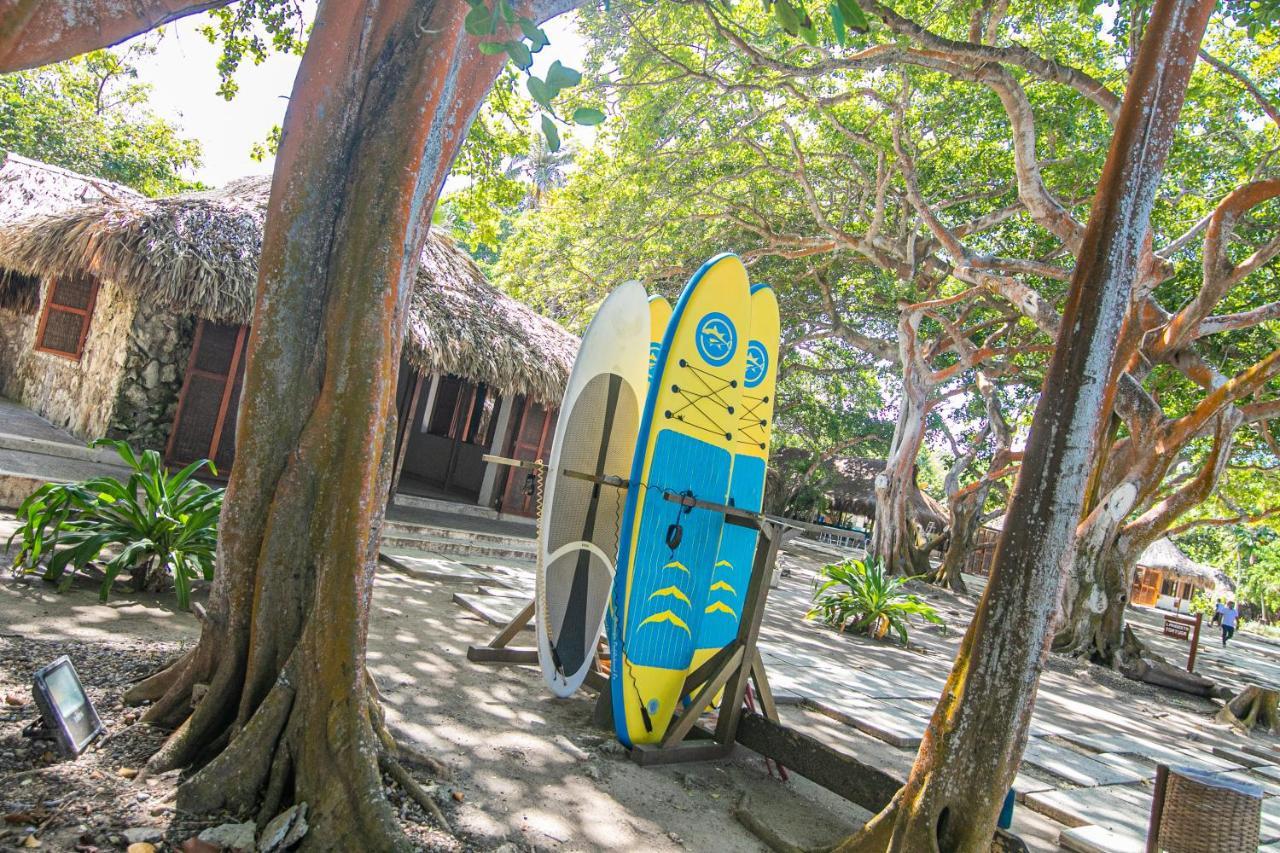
<point x="864" y="784"/>
<point x="489" y="654"/>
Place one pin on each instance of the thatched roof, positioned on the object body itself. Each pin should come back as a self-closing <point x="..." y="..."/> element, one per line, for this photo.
<point x="29" y="187"/>
<point x="1169" y="559"/>
<point x="198" y="253"/>
<point x="853" y="483"/>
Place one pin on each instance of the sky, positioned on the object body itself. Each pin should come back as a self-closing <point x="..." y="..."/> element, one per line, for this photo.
<point x="184" y="79"/>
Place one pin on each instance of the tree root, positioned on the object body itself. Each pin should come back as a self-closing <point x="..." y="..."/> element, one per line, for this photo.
<point x="396" y="748"/>
<point x="410" y="786"/>
<point x="1253" y="706"/>
<point x="767" y="834"/>
<point x="1135" y="661"/>
<point x="158" y="683"/>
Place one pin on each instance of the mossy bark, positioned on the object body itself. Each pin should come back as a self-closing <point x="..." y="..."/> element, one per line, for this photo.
<point x="381" y="104"/>
<point x="974" y="742"/>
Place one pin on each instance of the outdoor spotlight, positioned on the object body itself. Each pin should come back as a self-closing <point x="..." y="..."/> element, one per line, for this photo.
<point x="65" y="707"/>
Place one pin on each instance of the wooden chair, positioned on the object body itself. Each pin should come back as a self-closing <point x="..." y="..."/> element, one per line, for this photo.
<point x="1193" y="811"/>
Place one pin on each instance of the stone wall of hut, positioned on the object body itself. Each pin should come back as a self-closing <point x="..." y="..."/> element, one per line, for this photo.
<point x="77" y="395"/>
<point x="156" y="355"/>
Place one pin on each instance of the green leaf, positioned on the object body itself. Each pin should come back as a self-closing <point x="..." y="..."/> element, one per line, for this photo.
<point x="539" y="91"/>
<point x="808" y="33"/>
<point x="854" y="18"/>
<point x="480" y="21"/>
<point x="550" y="132"/>
<point x="520" y="55"/>
<point x="587" y="116"/>
<point x="506" y="11"/>
<point x="787" y="16"/>
<point x="837" y="23"/>
<point x="537" y="38"/>
<point x="560" y="77"/>
<point x="493" y="48"/>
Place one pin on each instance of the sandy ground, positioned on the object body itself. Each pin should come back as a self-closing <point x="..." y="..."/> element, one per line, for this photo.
<point x="531" y="770"/>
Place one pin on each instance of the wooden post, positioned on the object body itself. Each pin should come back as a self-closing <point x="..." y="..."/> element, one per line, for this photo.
<point x="1157" y="808"/>
<point x="1195" y="643"/>
<point x="404" y="434"/>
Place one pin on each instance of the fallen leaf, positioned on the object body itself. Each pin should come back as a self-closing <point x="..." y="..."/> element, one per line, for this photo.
<point x="140" y="847"/>
<point x="19" y="818"/>
<point x="14" y="699"/>
<point x="127" y="773"/>
<point x="31" y="841"/>
<point x="195" y="845"/>
<point x="457" y="796"/>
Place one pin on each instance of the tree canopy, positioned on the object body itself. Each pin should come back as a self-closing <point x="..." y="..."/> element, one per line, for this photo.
<point x="90" y="114"/>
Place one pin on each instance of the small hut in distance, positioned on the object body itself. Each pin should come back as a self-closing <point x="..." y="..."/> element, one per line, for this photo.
<point x="1167" y="578"/>
<point x="128" y="317"/>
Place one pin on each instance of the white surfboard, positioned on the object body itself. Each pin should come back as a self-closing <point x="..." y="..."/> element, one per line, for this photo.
<point x="578" y="530"/>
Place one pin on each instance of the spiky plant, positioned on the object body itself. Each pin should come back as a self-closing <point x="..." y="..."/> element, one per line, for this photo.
<point x="156" y="525"/>
<point x="863" y="597"/>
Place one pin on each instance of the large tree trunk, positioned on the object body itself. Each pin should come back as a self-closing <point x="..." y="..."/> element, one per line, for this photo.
<point x="972" y="748"/>
<point x="966" y="518"/>
<point x="893" y="538"/>
<point x="1094" y="598"/>
<point x="381" y="104"/>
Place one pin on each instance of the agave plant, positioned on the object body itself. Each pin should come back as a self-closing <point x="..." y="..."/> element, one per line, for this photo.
<point x="156" y="525"/>
<point x="863" y="597"/>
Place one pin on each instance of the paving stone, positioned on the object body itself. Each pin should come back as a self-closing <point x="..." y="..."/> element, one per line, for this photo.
<point x="875" y="718"/>
<point x="1122" y="808"/>
<point x="1193" y="756"/>
<point x="1142" y="768"/>
<point x="1100" y="839"/>
<point x="1240" y="757"/>
<point x="1024" y="784"/>
<point x="495" y="611"/>
<point x="1076" y="767"/>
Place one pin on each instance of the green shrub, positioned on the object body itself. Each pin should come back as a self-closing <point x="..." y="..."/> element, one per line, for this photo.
<point x="156" y="525"/>
<point x="863" y="597"/>
<point x="1201" y="603"/>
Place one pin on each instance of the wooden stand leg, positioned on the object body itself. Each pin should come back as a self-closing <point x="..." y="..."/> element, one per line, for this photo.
<point x="497" y="652"/>
<point x="730" y="669"/>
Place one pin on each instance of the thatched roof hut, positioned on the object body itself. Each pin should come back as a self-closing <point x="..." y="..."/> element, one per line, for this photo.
<point x="197" y="253"/>
<point x="127" y="317"/>
<point x="29" y="187"/>
<point x="1166" y="557"/>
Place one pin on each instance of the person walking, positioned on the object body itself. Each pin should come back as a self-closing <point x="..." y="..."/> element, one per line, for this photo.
<point x="1218" y="607"/>
<point x="1229" y="618"/>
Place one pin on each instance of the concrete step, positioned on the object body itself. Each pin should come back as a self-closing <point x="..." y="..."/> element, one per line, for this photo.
<point x="461" y="550"/>
<point x="404" y="530"/>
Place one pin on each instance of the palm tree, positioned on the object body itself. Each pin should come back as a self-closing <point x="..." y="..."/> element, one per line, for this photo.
<point x="542" y="168"/>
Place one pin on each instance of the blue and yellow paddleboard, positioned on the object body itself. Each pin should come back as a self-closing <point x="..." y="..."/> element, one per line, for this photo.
<point x="731" y="572"/>
<point x="659" y="319"/>
<point x="688" y="433"/>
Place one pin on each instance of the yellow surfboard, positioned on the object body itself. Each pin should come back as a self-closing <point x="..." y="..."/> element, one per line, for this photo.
<point x="688" y="434"/>
<point x="659" y="317"/>
<point x="731" y="573"/>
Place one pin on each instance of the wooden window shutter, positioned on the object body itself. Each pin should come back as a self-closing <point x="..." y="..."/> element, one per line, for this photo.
<point x="64" y="323"/>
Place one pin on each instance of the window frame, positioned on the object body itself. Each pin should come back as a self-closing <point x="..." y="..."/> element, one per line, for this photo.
<point x="85" y="314"/>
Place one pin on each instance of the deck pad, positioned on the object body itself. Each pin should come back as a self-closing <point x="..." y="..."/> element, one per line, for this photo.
<point x="731" y="572"/>
<point x="687" y="436"/>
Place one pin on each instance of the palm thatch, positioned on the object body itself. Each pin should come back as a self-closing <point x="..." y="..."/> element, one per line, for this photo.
<point x="1167" y="558"/>
<point x="197" y="253"/>
<point x="31" y="188"/>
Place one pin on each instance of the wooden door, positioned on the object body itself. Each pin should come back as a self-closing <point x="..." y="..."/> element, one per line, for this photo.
<point x="531" y="440"/>
<point x="1146" y="587"/>
<point x="204" y="426"/>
